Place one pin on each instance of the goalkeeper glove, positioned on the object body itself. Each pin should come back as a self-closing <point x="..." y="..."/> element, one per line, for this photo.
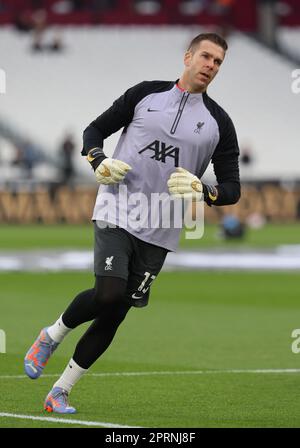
<point x="108" y="171"/>
<point x="185" y="185"/>
<point x="111" y="171"/>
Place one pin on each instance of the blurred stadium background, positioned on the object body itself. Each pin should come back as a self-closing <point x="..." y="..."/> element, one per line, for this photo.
<point x="63" y="62"/>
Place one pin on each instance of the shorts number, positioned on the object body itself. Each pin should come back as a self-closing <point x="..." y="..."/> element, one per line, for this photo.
<point x="144" y="286"/>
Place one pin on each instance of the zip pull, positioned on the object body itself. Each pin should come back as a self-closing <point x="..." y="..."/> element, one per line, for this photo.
<point x="182" y="104"/>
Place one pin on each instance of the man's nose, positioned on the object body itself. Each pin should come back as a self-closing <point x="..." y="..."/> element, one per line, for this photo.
<point x="210" y="64"/>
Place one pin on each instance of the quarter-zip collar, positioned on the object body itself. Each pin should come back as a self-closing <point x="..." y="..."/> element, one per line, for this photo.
<point x="184" y="97"/>
<point x="180" y="90"/>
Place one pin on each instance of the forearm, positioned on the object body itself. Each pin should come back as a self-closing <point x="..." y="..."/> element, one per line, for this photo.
<point x="227" y="193"/>
<point x="228" y="186"/>
<point x="92" y="146"/>
<point x="92" y="138"/>
<point x="116" y="117"/>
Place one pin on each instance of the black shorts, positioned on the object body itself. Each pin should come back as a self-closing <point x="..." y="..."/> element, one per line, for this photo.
<point x="117" y="253"/>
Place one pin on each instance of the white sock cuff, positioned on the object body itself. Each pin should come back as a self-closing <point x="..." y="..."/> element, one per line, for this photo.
<point x="76" y="367"/>
<point x="72" y="373"/>
<point x="58" y="330"/>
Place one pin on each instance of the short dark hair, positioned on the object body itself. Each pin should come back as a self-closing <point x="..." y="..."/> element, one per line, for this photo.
<point x="212" y="37"/>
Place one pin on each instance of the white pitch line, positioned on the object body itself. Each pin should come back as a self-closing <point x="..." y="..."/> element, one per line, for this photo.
<point x="197" y="372"/>
<point x="65" y="420"/>
<point x="154" y="373"/>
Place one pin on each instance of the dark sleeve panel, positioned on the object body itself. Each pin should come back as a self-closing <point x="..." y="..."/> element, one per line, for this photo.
<point x="226" y="166"/>
<point x="226" y="157"/>
<point x="120" y="114"/>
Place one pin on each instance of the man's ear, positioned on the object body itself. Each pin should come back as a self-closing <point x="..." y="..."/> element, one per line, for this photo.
<point x="187" y="58"/>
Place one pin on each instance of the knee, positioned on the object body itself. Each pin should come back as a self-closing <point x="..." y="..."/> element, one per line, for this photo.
<point x="107" y="296"/>
<point x="109" y="290"/>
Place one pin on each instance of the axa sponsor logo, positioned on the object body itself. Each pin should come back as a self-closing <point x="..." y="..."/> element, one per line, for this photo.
<point x="161" y="151"/>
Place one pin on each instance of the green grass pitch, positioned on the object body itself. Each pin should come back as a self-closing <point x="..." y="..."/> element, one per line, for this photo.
<point x="81" y="236"/>
<point x="209" y="322"/>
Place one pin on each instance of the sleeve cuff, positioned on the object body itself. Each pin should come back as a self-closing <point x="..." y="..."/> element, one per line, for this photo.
<point x="210" y="194"/>
<point x="95" y="156"/>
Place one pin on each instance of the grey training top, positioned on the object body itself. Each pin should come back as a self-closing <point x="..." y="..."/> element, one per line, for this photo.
<point x="164" y="127"/>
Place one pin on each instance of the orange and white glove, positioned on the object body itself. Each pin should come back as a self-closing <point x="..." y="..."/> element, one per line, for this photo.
<point x="185" y="185"/>
<point x="111" y="171"/>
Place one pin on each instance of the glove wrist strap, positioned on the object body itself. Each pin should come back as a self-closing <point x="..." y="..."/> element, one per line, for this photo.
<point x="95" y="156"/>
<point x="210" y="194"/>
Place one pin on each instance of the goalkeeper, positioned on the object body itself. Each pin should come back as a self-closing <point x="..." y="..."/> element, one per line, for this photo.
<point x="171" y="132"/>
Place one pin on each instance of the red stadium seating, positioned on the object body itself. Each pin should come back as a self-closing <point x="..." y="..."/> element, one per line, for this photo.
<point x="242" y="16"/>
